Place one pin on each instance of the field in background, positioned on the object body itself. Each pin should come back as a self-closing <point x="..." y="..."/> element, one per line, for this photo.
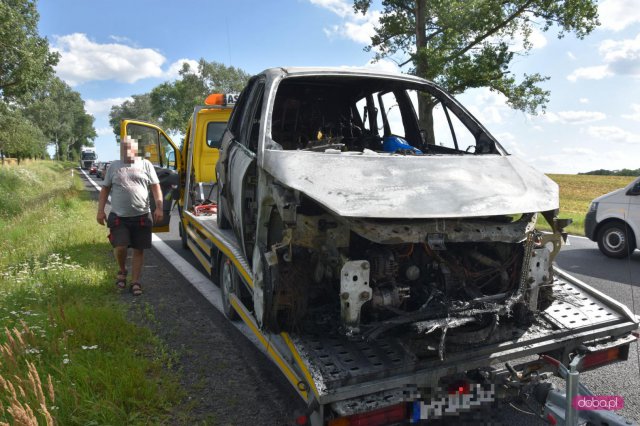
<point x="576" y="193"/>
<point x="68" y="355"/>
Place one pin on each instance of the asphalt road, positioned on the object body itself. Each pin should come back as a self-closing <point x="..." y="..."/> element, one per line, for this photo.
<point x="619" y="279"/>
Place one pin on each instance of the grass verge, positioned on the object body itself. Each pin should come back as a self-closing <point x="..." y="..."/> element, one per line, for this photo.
<point x="67" y="354"/>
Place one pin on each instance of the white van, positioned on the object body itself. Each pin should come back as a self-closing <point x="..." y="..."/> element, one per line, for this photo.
<point x="613" y="221"/>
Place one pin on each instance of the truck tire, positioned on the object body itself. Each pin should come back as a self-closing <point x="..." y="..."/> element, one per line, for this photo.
<point x="229" y="284"/>
<point x="616" y="240"/>
<point x="223" y="222"/>
<point x="183" y="236"/>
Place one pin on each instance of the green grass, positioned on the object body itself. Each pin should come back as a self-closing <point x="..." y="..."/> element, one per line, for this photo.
<point x="61" y="316"/>
<point x="577" y="192"/>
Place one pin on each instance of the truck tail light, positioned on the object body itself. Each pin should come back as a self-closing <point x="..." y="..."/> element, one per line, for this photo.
<point x="384" y="416"/>
<point x="607" y="356"/>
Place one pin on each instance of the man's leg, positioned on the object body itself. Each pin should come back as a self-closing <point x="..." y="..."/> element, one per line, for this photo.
<point x="120" y="253"/>
<point x="137" y="260"/>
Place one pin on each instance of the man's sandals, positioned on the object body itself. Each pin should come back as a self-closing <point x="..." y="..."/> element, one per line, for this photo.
<point x="136" y="289"/>
<point x="121" y="281"/>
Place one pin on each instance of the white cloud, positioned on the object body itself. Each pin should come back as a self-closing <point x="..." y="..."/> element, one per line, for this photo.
<point x="623" y="56"/>
<point x="355" y="27"/>
<point x="581" y="117"/>
<point x="383" y="65"/>
<point x="579" y="151"/>
<point x="98" y="107"/>
<point x="83" y="60"/>
<point x="620" y="57"/>
<point x="571" y="56"/>
<point x="584" y="100"/>
<point x="616" y="15"/>
<point x="570" y="117"/>
<point x="613" y="134"/>
<point x="487" y="106"/>
<point x="341" y="8"/>
<point x="635" y="115"/>
<point x="121" y="39"/>
<point x="597" y="72"/>
<point x="104" y="131"/>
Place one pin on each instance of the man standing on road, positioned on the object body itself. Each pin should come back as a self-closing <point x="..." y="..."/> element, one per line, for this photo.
<point x="128" y="180"/>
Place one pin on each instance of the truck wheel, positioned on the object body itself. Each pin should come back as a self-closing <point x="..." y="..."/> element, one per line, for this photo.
<point x="223" y="222"/>
<point x="183" y="236"/>
<point x="228" y="285"/>
<point x="616" y="240"/>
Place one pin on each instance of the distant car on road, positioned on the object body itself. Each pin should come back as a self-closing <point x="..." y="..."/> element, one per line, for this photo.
<point x="102" y="170"/>
<point x="613" y="221"/>
<point x="93" y="168"/>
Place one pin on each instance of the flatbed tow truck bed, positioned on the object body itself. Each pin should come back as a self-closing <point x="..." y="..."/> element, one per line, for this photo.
<point x="326" y="367"/>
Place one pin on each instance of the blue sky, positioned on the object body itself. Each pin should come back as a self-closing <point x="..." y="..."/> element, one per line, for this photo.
<point x="113" y="49"/>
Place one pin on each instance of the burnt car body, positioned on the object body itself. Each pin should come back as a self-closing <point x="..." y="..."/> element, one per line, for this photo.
<point x="352" y="216"/>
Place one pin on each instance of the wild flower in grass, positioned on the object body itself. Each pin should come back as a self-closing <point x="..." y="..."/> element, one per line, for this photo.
<point x="89" y="348"/>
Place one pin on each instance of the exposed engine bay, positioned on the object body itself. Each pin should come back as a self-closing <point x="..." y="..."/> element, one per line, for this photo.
<point x="415" y="276"/>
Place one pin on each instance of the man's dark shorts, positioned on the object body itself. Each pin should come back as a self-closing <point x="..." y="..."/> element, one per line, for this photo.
<point x="132" y="232"/>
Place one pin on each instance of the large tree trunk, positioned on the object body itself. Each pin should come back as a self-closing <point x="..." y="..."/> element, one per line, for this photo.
<point x="425" y="103"/>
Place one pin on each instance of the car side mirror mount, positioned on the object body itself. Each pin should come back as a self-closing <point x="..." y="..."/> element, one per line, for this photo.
<point x="635" y="189"/>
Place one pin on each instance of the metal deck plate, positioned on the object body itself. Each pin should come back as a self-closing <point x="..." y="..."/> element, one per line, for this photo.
<point x="573" y="308"/>
<point x="340" y="361"/>
<point x="343" y="361"/>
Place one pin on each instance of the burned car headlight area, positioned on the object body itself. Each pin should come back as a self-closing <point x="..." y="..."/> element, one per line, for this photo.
<point x="370" y="220"/>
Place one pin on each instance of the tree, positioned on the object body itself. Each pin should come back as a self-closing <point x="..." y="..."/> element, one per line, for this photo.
<point x="173" y="102"/>
<point x="139" y="108"/>
<point x="19" y="137"/>
<point x="25" y="62"/>
<point x="59" y="112"/>
<point x="462" y="44"/>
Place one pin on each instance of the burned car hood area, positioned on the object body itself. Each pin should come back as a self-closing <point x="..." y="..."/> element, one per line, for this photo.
<point x="390" y="186"/>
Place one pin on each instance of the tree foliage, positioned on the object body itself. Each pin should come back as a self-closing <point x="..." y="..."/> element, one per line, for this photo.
<point x="25" y="62"/>
<point x="462" y="44"/>
<point x="173" y="102"/>
<point x="605" y="172"/>
<point x="19" y="137"/>
<point x="59" y="112"/>
<point x="139" y="108"/>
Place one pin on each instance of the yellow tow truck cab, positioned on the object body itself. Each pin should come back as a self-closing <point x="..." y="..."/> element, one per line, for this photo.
<point x="191" y="165"/>
<point x="210" y="124"/>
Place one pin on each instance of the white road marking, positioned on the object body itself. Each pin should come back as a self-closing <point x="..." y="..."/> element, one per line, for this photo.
<point x="202" y="283"/>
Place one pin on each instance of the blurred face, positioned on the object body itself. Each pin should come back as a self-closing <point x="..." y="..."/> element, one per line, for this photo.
<point x="129" y="150"/>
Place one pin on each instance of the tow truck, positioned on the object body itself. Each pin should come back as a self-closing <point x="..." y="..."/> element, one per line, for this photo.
<point x="406" y="328"/>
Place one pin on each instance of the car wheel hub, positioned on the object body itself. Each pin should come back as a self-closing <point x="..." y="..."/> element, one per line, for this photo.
<point x="614" y="240"/>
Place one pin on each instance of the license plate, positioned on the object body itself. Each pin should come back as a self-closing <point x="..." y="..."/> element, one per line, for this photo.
<point x="451" y="404"/>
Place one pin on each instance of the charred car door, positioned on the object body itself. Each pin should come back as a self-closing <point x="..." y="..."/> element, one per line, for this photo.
<point x="239" y="167"/>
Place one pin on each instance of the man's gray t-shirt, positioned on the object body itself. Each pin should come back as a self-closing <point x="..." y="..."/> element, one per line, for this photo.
<point x="130" y="186"/>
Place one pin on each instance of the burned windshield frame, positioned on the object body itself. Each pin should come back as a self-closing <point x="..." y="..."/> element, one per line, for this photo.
<point x="317" y="112"/>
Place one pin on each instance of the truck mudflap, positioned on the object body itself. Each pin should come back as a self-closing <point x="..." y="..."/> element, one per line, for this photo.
<point x="342" y="368"/>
